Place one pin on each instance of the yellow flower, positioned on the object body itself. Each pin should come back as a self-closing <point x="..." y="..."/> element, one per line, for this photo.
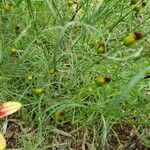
<point x="132" y="38"/>
<point x="30" y="77"/>
<point x="137" y="7"/>
<point x="5" y="110"/>
<point x="102" y="47"/>
<point x="100" y="81"/>
<point x="2" y="142"/>
<point x="52" y="71"/>
<point x="39" y="91"/>
<point x="71" y="2"/>
<point x="99" y="44"/>
<point x="9" y="108"/>
<point x="13" y="50"/>
<point x="59" y="115"/>
<point x="8" y="7"/>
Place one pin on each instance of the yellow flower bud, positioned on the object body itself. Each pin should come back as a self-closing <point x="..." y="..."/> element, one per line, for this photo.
<point x="101" y="49"/>
<point x="100" y="81"/>
<point x="59" y="115"/>
<point x="8" y="7"/>
<point x="5" y="110"/>
<point x="39" y="91"/>
<point x="30" y="77"/>
<point x="52" y="71"/>
<point x="137" y="7"/>
<point x="132" y="38"/>
<point x="71" y="2"/>
<point x="13" y="50"/>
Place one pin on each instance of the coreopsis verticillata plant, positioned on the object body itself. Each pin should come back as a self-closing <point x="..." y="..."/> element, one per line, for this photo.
<point x="5" y="110"/>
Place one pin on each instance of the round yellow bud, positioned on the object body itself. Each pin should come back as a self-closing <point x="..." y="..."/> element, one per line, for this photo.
<point x="52" y="71"/>
<point x="132" y="38"/>
<point x="101" y="49"/>
<point x="13" y="50"/>
<point x="8" y="7"/>
<point x="70" y="3"/>
<point x="137" y="7"/>
<point x="30" y="77"/>
<point x="129" y="40"/>
<point x="59" y="115"/>
<point x="100" y="81"/>
<point x="39" y="91"/>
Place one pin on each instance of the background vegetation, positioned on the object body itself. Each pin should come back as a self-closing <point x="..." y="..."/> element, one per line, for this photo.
<point x="49" y="61"/>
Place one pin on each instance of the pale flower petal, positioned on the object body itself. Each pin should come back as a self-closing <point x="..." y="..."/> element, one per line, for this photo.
<point x="2" y="142"/>
<point x="9" y="108"/>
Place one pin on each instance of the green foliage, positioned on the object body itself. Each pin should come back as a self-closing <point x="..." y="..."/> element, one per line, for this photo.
<point x="55" y="35"/>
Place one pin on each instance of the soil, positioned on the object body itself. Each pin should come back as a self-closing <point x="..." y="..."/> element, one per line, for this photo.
<point x="121" y="137"/>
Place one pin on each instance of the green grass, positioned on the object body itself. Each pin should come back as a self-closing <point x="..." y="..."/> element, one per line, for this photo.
<point x="53" y="36"/>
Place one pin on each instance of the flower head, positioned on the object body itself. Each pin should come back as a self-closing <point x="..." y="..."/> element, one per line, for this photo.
<point x="2" y="142"/>
<point x="5" y="110"/>
<point x="71" y="2"/>
<point x="29" y="78"/>
<point x="13" y="50"/>
<point x="102" y="48"/>
<point x="9" y="108"/>
<point x="52" y="71"/>
<point x="39" y="91"/>
<point x="132" y="38"/>
<point x="8" y="7"/>
<point x="100" y="81"/>
<point x="59" y="115"/>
